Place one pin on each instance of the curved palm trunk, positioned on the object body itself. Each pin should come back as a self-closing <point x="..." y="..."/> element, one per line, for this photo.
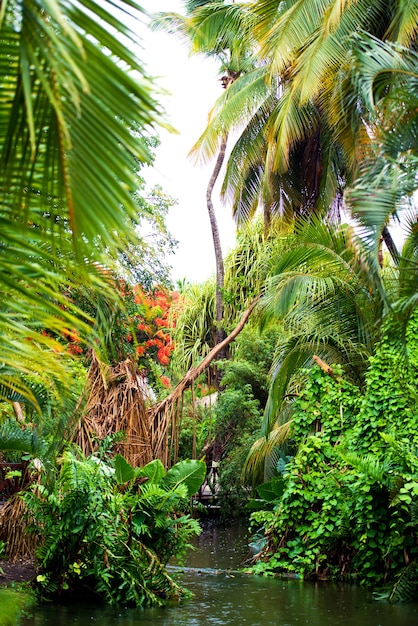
<point x="226" y="81"/>
<point x="220" y="333"/>
<point x="390" y="244"/>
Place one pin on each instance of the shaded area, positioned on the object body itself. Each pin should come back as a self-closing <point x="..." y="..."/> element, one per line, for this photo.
<point x="18" y="571"/>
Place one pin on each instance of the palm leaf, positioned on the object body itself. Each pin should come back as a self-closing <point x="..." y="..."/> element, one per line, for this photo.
<point x="72" y="90"/>
<point x="262" y="449"/>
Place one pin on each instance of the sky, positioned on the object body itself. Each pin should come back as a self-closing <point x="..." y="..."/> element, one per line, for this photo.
<point x="193" y="86"/>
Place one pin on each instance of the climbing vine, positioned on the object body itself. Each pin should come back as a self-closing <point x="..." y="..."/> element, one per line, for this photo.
<point x="350" y="493"/>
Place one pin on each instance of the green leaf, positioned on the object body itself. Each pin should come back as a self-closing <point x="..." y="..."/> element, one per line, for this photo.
<point x="271" y="490"/>
<point x="153" y="470"/>
<point x="124" y="471"/>
<point x="190" y="473"/>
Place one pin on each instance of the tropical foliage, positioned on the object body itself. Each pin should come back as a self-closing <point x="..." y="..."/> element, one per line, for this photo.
<point x="111" y="528"/>
<point x="72" y="93"/>
<point x="321" y="101"/>
<point x="346" y="507"/>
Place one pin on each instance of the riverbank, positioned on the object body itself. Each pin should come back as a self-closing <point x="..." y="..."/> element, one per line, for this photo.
<point x="17" y="572"/>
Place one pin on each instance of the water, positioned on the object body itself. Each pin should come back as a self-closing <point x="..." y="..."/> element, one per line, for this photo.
<point x="228" y="598"/>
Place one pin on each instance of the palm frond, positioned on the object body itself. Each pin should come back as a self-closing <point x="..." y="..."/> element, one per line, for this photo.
<point x="73" y="90"/>
<point x="403" y="26"/>
<point x="254" y="466"/>
<point x="406" y="586"/>
<point x="13" y="438"/>
<point x="231" y="111"/>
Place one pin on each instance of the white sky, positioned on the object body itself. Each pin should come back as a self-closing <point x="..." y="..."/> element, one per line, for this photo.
<point x="194" y="86"/>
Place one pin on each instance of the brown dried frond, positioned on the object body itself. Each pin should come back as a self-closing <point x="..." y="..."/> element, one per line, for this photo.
<point x="14" y="521"/>
<point x="116" y="401"/>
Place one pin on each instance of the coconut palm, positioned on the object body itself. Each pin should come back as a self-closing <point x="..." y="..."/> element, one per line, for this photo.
<point x="72" y="89"/>
<point x="317" y="43"/>
<point x="202" y="27"/>
<point x="306" y="134"/>
<point x="387" y="180"/>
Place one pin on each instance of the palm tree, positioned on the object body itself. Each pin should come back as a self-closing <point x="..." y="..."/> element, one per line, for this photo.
<point x="306" y="134"/>
<point x="387" y="179"/>
<point x="201" y="28"/>
<point x="72" y="89"/>
<point x="336" y="306"/>
<point x="330" y="301"/>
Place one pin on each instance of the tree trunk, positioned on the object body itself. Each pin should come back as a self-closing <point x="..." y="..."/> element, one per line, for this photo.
<point x="226" y="81"/>
<point x="390" y="244"/>
<point x="220" y="332"/>
<point x="215" y="231"/>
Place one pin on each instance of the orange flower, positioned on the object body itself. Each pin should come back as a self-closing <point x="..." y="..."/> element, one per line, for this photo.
<point x="162" y="357"/>
<point x="165" y="381"/>
<point x="140" y="350"/>
<point x="158" y="321"/>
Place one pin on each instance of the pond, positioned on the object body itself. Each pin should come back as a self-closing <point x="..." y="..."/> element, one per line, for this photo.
<point x="228" y="598"/>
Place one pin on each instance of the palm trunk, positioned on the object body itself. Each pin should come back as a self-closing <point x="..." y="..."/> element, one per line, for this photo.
<point x="226" y="81"/>
<point x="220" y="333"/>
<point x="390" y="244"/>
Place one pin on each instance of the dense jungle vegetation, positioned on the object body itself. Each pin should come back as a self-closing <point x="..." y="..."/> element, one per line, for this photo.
<point x="292" y="372"/>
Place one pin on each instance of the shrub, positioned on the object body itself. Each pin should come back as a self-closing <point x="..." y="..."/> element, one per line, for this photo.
<point x="112" y="528"/>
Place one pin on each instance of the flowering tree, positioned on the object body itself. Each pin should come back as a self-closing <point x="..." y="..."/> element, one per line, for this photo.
<point x="149" y="325"/>
<point x="141" y="330"/>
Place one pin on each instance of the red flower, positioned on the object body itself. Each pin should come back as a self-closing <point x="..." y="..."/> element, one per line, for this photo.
<point x="158" y="321"/>
<point x="165" y="381"/>
<point x="162" y="357"/>
<point x="74" y="348"/>
<point x="140" y="350"/>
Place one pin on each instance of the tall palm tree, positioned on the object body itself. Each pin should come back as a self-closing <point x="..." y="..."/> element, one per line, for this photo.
<point x="201" y="27"/>
<point x="316" y="43"/>
<point x="72" y="90"/>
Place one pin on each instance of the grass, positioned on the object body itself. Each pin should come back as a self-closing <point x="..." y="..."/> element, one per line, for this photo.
<point x="12" y="603"/>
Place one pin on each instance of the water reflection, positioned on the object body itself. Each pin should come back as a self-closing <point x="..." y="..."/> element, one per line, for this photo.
<point x="236" y="599"/>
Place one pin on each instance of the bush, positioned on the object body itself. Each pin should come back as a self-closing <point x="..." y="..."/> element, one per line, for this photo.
<point x="350" y="494"/>
<point x="112" y="528"/>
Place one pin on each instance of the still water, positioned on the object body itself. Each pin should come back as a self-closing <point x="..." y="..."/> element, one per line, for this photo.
<point x="237" y="599"/>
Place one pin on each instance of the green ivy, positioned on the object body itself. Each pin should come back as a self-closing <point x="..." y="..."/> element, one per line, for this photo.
<point x="389" y="403"/>
<point x="349" y="507"/>
<point x="327" y="404"/>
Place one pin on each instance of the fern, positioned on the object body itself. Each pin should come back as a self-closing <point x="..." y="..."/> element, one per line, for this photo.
<point x="370" y="466"/>
<point x="111" y="535"/>
<point x="406" y="586"/>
